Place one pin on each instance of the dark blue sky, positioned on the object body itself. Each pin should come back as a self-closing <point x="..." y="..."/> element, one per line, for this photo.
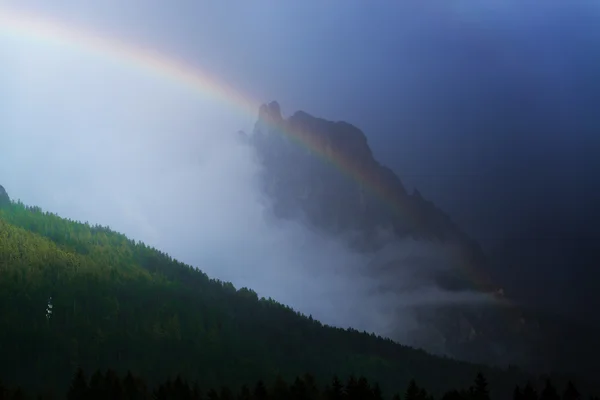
<point x="490" y="108"/>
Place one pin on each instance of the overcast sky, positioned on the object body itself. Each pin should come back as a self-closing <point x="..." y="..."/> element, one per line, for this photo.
<point x="488" y="107"/>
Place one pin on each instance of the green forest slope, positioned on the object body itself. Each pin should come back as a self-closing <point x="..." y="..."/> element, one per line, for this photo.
<point x="120" y="304"/>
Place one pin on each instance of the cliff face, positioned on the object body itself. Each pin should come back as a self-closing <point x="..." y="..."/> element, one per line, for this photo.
<point x="325" y="174"/>
<point x="4" y="199"/>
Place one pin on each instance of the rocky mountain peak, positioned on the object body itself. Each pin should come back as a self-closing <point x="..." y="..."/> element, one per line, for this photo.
<point x="364" y="197"/>
<point x="270" y="112"/>
<point x="4" y="199"/>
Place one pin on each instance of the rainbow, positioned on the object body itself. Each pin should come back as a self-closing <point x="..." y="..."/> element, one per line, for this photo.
<point x="44" y="29"/>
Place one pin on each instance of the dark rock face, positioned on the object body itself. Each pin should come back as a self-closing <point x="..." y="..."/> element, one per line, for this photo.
<point x="331" y="178"/>
<point x="324" y="173"/>
<point x="4" y="199"/>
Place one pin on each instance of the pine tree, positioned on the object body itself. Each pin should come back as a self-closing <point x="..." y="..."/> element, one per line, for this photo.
<point x="260" y="391"/>
<point x="196" y="393"/>
<point x="298" y="390"/>
<point x="549" y="392"/>
<point x="351" y="388"/>
<point x="212" y="394"/>
<point x="412" y="392"/>
<point x="336" y="391"/>
<point x="280" y="389"/>
<point x="363" y="388"/>
<point x="97" y="386"/>
<point x="571" y="392"/>
<point x="517" y="393"/>
<point x="245" y="393"/>
<point x="529" y="392"/>
<point x="226" y="393"/>
<point x="376" y="390"/>
<point x="481" y="391"/>
<point x="79" y="387"/>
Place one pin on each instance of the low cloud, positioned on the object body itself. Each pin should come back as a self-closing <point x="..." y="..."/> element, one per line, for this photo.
<point x="98" y="142"/>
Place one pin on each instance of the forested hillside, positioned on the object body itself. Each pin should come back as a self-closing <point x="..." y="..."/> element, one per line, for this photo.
<point x="119" y="304"/>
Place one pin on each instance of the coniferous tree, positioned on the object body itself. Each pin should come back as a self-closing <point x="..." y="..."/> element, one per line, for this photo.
<point x="529" y="392"/>
<point x="196" y="392"/>
<point x="212" y="394"/>
<point x="376" y="390"/>
<point x="480" y="390"/>
<point x="363" y="389"/>
<point x="225" y="393"/>
<point x="181" y="389"/>
<point x="129" y="387"/>
<point x="114" y="386"/>
<point x="160" y="393"/>
<point x="245" y="393"/>
<point x="351" y="387"/>
<point x="517" y="393"/>
<point x="312" y="390"/>
<point x="336" y="390"/>
<point x="549" y="392"/>
<point x="298" y="390"/>
<point x="571" y="393"/>
<point x="97" y="386"/>
<point x="260" y="391"/>
<point x="79" y="386"/>
<point x="280" y="389"/>
<point x="413" y="391"/>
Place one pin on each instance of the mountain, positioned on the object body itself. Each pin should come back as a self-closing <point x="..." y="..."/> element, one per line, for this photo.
<point x="370" y="197"/>
<point x="4" y="199"/>
<point x="117" y="303"/>
<point x="324" y="174"/>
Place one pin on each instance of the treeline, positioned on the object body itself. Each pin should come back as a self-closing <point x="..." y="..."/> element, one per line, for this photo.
<point x="110" y="386"/>
<point x="118" y="302"/>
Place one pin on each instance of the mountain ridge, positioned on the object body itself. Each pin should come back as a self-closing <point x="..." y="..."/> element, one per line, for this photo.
<point x="118" y="302"/>
<point x="304" y="187"/>
<point x="342" y="140"/>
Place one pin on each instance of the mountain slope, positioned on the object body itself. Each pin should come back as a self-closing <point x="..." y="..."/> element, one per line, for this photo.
<point x="120" y="303"/>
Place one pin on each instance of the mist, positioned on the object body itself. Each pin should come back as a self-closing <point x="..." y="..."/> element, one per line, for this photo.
<point x="96" y="141"/>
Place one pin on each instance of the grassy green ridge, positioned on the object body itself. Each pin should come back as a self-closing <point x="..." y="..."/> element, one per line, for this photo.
<point x="120" y="303"/>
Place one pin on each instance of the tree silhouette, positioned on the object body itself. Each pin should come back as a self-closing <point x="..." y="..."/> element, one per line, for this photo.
<point x="549" y="392"/>
<point x="280" y="389"/>
<point x="244" y="393"/>
<point x="571" y="393"/>
<point x="517" y="393"/>
<point x="529" y="392"/>
<point x="79" y="386"/>
<point x="412" y="392"/>
<point x="260" y="391"/>
<point x="336" y="390"/>
<point x="481" y="391"/>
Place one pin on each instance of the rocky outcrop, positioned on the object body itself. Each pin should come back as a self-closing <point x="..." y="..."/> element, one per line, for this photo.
<point x="325" y="172"/>
<point x="4" y="199"/>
